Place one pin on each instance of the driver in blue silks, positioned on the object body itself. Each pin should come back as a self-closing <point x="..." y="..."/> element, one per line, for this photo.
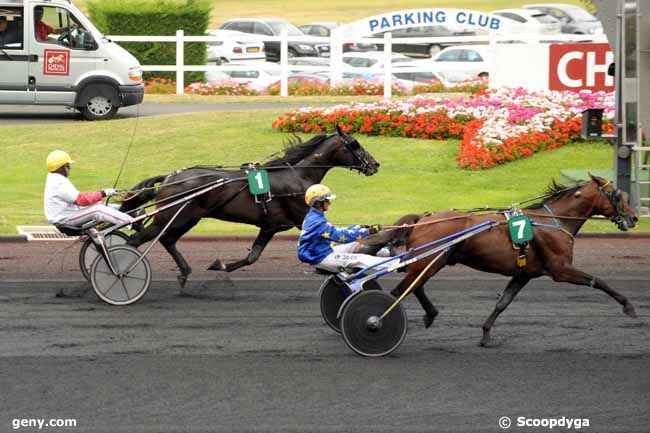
<point x="317" y="235"/>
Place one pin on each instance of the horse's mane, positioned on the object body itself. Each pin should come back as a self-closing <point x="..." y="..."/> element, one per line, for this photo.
<point x="296" y="150"/>
<point x="555" y="191"/>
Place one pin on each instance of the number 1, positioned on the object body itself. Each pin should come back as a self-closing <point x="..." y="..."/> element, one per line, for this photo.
<point x="260" y="182"/>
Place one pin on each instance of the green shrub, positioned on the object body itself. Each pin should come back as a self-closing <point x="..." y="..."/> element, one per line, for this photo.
<point x="156" y="18"/>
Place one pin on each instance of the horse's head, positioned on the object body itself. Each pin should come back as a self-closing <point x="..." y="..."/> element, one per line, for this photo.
<point x="611" y="202"/>
<point x="349" y="153"/>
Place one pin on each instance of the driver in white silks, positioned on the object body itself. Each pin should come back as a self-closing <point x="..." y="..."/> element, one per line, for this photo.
<point x="63" y="204"/>
<point x="317" y="236"/>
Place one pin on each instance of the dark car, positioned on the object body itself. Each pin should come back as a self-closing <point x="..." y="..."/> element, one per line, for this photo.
<point x="573" y="18"/>
<point x="274" y="27"/>
<point x="324" y="29"/>
<point x="429" y="49"/>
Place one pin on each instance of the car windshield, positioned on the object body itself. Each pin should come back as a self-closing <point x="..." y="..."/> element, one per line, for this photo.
<point x="278" y="26"/>
<point x="543" y="18"/>
<point x="580" y="14"/>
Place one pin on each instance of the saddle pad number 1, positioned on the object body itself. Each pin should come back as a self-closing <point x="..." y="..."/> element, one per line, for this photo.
<point x="521" y="229"/>
<point x="258" y="182"/>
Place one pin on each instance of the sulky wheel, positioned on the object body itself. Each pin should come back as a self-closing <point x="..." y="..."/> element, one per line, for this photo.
<point x="363" y="330"/>
<point x="332" y="294"/>
<point x="128" y="286"/>
<point x="89" y="252"/>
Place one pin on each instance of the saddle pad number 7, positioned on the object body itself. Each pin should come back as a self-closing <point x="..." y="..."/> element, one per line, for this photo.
<point x="521" y="229"/>
<point x="258" y="182"/>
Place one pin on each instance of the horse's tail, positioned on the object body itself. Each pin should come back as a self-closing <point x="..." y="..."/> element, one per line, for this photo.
<point x="142" y="193"/>
<point x="398" y="236"/>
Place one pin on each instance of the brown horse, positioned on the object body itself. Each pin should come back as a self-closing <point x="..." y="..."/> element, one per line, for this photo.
<point x="549" y="253"/>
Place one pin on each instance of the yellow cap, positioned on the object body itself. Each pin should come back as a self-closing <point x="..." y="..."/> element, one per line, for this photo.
<point x="318" y="192"/>
<point x="57" y="159"/>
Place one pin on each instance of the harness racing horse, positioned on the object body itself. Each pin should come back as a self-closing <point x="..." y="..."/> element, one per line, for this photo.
<point x="302" y="165"/>
<point x="556" y="220"/>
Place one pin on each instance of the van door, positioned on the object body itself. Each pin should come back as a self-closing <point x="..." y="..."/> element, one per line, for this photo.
<point x="66" y="54"/>
<point x="14" y="58"/>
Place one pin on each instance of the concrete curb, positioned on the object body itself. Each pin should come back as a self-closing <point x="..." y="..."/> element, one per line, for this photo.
<point x="294" y="238"/>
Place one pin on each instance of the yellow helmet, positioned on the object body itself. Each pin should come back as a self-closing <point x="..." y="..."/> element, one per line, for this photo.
<point x="57" y="159"/>
<point x="318" y="192"/>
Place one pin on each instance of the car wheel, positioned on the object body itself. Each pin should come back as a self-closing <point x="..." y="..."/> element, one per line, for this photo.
<point x="99" y="107"/>
<point x="434" y="49"/>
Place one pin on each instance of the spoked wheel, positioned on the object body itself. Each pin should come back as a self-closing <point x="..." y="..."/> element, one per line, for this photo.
<point x="128" y="286"/>
<point x="363" y="330"/>
<point x="89" y="252"/>
<point x="332" y="295"/>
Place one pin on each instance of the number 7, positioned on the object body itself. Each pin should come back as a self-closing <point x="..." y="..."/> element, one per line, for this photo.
<point x="520" y="225"/>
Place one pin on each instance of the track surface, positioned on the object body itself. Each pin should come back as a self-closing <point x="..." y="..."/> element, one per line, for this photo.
<point x="248" y="351"/>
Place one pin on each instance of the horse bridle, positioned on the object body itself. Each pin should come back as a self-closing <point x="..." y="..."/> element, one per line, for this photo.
<point x="348" y="141"/>
<point x="617" y="199"/>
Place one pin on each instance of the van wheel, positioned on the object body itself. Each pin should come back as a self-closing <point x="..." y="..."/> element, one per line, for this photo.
<point x="99" y="108"/>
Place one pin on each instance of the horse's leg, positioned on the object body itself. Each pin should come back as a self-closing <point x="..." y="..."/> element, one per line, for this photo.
<point x="145" y="235"/>
<point x="263" y="238"/>
<point x="430" y="311"/>
<point x="569" y="274"/>
<point x="169" y="239"/>
<point x="427" y="305"/>
<point x="511" y="290"/>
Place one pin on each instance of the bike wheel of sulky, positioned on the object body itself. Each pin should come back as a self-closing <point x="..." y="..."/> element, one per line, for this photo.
<point x="332" y="294"/>
<point x="363" y="330"/>
<point x="129" y="285"/>
<point x="89" y="252"/>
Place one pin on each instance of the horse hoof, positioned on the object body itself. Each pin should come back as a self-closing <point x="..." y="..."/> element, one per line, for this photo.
<point x="182" y="279"/>
<point x="428" y="320"/>
<point x="217" y="265"/>
<point x="628" y="309"/>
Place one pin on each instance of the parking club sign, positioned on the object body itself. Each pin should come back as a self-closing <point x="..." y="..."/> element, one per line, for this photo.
<point x="56" y="62"/>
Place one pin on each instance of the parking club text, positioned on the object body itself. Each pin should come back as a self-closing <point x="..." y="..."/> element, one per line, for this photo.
<point x="434" y="16"/>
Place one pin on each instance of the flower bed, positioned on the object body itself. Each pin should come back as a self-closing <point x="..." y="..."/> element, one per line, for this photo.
<point x="493" y="126"/>
<point x="312" y="88"/>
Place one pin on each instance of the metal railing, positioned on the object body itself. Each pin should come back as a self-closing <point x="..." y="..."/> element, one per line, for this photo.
<point x="336" y="67"/>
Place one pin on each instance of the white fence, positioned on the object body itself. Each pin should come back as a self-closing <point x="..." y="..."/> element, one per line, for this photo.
<point x="531" y="62"/>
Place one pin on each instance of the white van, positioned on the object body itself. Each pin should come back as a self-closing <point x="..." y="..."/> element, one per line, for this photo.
<point x="51" y="54"/>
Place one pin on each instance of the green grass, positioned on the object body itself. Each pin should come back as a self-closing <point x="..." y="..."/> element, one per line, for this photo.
<point x="415" y="175"/>
<point x="342" y="11"/>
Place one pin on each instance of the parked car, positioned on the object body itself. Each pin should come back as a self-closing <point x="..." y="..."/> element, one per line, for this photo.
<point x="234" y="47"/>
<point x="530" y="21"/>
<point x="309" y="61"/>
<point x="324" y="29"/>
<point x="573" y="19"/>
<point x="462" y="63"/>
<point x="372" y="60"/>
<point x="428" y="49"/>
<point x="274" y="27"/>
<point x="258" y="75"/>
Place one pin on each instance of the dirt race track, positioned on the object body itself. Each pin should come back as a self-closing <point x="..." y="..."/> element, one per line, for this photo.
<point x="248" y="351"/>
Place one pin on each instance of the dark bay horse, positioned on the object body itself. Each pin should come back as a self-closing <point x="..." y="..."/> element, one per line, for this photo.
<point x="549" y="253"/>
<point x="302" y="165"/>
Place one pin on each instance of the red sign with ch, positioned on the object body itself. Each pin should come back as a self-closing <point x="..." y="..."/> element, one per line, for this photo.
<point x="580" y="67"/>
